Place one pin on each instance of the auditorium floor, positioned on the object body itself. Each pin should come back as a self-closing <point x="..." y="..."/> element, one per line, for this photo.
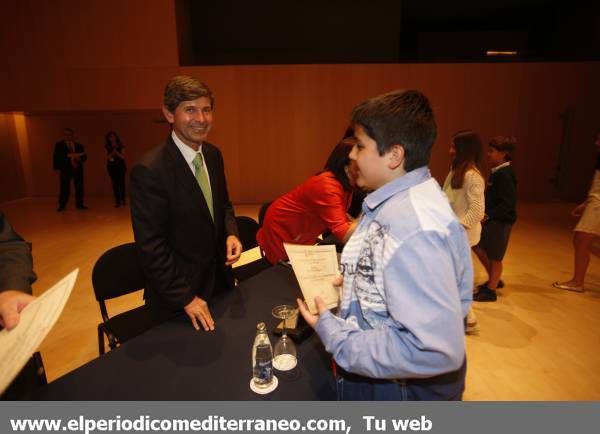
<point x="534" y="343"/>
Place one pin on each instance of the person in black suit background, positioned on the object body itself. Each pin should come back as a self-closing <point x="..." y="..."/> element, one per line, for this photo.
<point x="183" y="221"/>
<point x="69" y="157"/>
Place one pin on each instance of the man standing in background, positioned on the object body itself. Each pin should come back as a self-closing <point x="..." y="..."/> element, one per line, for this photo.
<point x="69" y="157"/>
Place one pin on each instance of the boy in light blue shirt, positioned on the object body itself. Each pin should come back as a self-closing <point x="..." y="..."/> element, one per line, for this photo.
<point x="407" y="270"/>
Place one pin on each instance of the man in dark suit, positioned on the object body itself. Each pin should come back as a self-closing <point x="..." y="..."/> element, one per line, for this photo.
<point x="183" y="220"/>
<point x="69" y="157"/>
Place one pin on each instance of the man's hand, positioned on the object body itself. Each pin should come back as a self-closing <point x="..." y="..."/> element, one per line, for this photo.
<point x="234" y="249"/>
<point x="197" y="310"/>
<point x="311" y="319"/>
<point x="11" y="305"/>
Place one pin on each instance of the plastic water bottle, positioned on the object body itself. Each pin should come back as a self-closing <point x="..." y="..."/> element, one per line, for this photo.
<point x="262" y="358"/>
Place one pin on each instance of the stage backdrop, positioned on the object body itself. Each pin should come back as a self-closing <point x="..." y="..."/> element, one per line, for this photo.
<point x="103" y="64"/>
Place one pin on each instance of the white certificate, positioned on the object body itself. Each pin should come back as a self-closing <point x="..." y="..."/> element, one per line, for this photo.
<point x="36" y="320"/>
<point x="315" y="268"/>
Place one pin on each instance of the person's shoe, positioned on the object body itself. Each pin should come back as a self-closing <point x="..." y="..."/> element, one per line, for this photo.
<point x="484" y="285"/>
<point x="568" y="286"/>
<point x="81" y="207"/>
<point x="471" y="325"/>
<point x="60" y="209"/>
<point x="485" y="294"/>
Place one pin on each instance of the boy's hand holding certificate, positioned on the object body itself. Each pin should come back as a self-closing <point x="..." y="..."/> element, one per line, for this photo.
<point x="315" y="268"/>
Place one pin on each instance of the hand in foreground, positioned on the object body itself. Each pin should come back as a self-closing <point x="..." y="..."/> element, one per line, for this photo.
<point x="11" y="305"/>
<point x="234" y="249"/>
<point x="311" y="319"/>
<point x="197" y="310"/>
<point x="338" y="280"/>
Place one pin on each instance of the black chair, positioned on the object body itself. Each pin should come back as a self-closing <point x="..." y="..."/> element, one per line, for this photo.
<point x="247" y="228"/>
<point x="118" y="272"/>
<point x="261" y="213"/>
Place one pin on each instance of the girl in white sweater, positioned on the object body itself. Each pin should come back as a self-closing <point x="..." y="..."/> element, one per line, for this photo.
<point x="465" y="188"/>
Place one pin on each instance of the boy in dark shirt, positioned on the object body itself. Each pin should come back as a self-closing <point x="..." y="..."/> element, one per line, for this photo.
<point x="500" y="215"/>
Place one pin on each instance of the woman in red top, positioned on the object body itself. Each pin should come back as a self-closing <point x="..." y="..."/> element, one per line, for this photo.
<point x="315" y="206"/>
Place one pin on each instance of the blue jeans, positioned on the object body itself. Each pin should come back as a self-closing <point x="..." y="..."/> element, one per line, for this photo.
<point x="444" y="387"/>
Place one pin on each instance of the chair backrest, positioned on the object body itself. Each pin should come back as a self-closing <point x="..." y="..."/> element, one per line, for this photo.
<point x="247" y="227"/>
<point x="117" y="272"/>
<point x="261" y="213"/>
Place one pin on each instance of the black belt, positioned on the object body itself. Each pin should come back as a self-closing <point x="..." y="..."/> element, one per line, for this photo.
<point x="448" y="377"/>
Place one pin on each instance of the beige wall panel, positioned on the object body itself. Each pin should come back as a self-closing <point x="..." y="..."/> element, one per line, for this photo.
<point x="277" y="124"/>
<point x="12" y="180"/>
<point x="480" y="97"/>
<point x="548" y="90"/>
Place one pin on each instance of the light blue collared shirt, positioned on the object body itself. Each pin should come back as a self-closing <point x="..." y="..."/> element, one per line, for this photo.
<point x="408" y="280"/>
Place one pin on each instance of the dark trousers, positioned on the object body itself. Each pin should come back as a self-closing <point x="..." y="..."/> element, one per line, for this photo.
<point x="444" y="387"/>
<point x="118" y="184"/>
<point x="65" y="187"/>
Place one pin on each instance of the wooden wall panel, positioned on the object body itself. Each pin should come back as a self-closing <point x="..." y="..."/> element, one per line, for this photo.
<point x="103" y="63"/>
<point x="20" y="123"/>
<point x="66" y="34"/>
<point x="548" y="90"/>
<point x="580" y="155"/>
<point x="12" y="179"/>
<point x="58" y="52"/>
<point x="277" y="124"/>
<point x="480" y="97"/>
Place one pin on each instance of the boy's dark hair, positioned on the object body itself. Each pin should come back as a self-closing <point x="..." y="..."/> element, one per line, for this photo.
<point x="339" y="159"/>
<point x="401" y="117"/>
<point x="505" y="144"/>
<point x="183" y="88"/>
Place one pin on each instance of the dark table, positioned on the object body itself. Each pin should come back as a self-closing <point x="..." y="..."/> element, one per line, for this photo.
<point x="175" y="362"/>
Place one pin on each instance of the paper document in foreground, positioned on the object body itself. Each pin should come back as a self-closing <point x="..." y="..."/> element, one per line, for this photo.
<point x="315" y="267"/>
<point x="36" y="320"/>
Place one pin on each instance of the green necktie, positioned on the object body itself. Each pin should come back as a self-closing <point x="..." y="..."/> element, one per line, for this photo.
<point x="202" y="179"/>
